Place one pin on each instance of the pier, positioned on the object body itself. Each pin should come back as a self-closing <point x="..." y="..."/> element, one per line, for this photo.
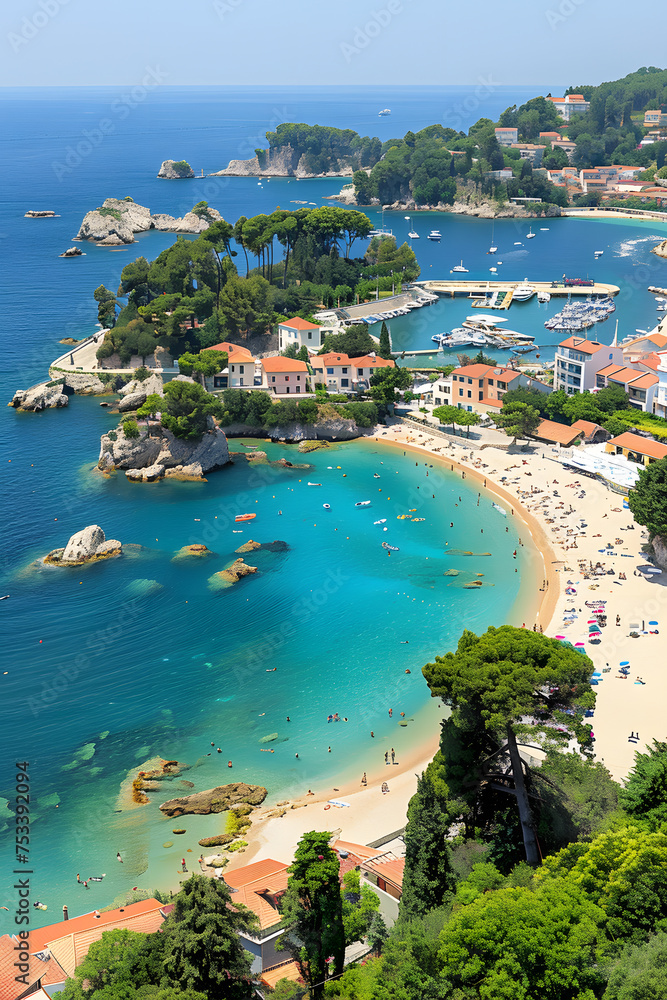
<point x="484" y="288"/>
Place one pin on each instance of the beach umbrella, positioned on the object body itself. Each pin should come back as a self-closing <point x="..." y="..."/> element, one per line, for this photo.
<point x="653" y="623"/>
<point x="559" y="637"/>
<point x="624" y="663"/>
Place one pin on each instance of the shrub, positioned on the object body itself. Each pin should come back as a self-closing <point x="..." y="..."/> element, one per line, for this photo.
<point x="112" y="435"/>
<point x="130" y="429"/>
<point x="127" y="198"/>
<point x="112" y="213"/>
<point x="237" y="845"/>
<point x="181" y="167"/>
<point x="141" y="374"/>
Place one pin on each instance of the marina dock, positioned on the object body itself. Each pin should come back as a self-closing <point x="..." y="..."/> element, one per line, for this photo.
<point x="484" y="288"/>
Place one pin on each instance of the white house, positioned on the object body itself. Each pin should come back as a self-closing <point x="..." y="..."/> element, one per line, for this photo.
<point x="301" y="333"/>
<point x="506" y="136"/>
<point x="579" y="360"/>
<point x="639" y="385"/>
<point x="568" y="107"/>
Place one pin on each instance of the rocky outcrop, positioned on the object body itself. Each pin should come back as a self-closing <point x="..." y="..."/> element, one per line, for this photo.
<point x="230" y="575"/>
<point x="306" y="446"/>
<point x="659" y="546"/>
<point x="196" y="551"/>
<point x="135" y="393"/>
<point x="40" y="397"/>
<point x="251" y="546"/>
<point x="117" y="221"/>
<point x="339" y="429"/>
<point x="175" y="170"/>
<point x="48" y="214"/>
<point x="214" y="800"/>
<point x="87" y="545"/>
<point x="85" y="384"/>
<point x="661" y="249"/>
<point x="157" y="454"/>
<point x="281" y="162"/>
<point x="73" y="252"/>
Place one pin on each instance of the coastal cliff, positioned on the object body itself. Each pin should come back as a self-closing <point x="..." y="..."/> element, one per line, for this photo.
<point x="116" y="222"/>
<point x="661" y="249"/>
<point x="338" y="429"/>
<point x="281" y="162"/>
<point x="481" y="209"/>
<point x="156" y="454"/>
<point x="40" y="397"/>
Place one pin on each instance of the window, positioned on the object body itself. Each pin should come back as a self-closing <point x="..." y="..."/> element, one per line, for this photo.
<point x="469" y="394"/>
<point x="330" y="371"/>
<point x="469" y="381"/>
<point x="480" y="396"/>
<point x="360" y="371"/>
<point x="310" y="336"/>
<point x="240" y="381"/>
<point x="241" y="369"/>
<point x="287" y="378"/>
<point x="298" y="378"/>
<point x="298" y="388"/>
<point x="344" y="382"/>
<point x="481" y="383"/>
<point x="273" y="378"/>
<point x="490" y="381"/>
<point x="460" y="392"/>
<point x="344" y="370"/>
<point x="233" y="368"/>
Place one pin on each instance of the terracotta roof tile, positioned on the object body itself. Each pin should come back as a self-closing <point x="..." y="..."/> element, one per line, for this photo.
<point x="299" y="324"/>
<point x="281" y="364"/>
<point x="391" y="871"/>
<point x="368" y="362"/>
<point x="322" y="360"/>
<point x="122" y="916"/>
<point x="581" y="344"/>
<point x="226" y="346"/>
<point x="643" y="446"/>
<point x="290" y="970"/>
<point x="549" y="430"/>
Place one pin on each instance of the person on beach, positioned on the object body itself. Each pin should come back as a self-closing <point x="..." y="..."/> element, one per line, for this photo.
<point x="183" y="864"/>
<point x="364" y="780"/>
<point x="393" y="756"/>
<point x="78" y="878"/>
<point x="386" y="756"/>
<point x="118" y="857"/>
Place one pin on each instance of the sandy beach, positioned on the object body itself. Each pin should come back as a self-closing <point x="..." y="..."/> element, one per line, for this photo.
<point x="569" y="522"/>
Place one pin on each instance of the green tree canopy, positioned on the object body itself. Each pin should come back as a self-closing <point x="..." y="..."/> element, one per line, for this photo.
<point x="201" y="937"/>
<point x="185" y="409"/>
<point x="313" y="913"/>
<point x="644" y="795"/>
<point x="106" y="306"/>
<point x="356" y="342"/>
<point x="427" y="879"/>
<point x="518" y="420"/>
<point x="648" y="500"/>
<point x="640" y="972"/>
<point x="120" y="961"/>
<point x="495" y="680"/>
<point x="384" y="350"/>
<point x="386" y="381"/>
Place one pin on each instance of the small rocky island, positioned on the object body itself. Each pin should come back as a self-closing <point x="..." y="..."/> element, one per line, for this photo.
<point x="73" y="252"/>
<point x="116" y="222"/>
<point x="40" y="397"/>
<point x="32" y="214"/>
<point x="86" y="546"/>
<point x="155" y="453"/>
<point x="175" y="170"/>
<point x="215" y="800"/>
<point x="282" y="161"/>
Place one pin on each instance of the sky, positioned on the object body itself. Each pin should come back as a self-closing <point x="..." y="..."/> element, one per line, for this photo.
<point x="294" y="42"/>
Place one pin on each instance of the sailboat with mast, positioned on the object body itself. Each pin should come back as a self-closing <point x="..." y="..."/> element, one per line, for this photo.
<point x="493" y="248"/>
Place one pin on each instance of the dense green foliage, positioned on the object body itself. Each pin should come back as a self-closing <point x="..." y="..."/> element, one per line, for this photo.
<point x="322" y="146"/>
<point x="417" y="166"/>
<point x="648" y="500"/>
<point x="191" y="296"/>
<point x="356" y="342"/>
<point x="106" y="306"/>
<point x="182" y="168"/>
<point x="186" y="409"/>
<point x="387" y="382"/>
<point x="645" y="793"/>
<point x="312" y="911"/>
<point x="202" y="950"/>
<point x="517" y="419"/>
<point x="122" y="960"/>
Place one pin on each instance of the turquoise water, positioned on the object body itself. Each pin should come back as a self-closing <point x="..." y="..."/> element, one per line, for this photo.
<point x="176" y="666"/>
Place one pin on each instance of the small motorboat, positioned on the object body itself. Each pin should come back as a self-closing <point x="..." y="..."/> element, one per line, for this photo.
<point x="5" y="597"/>
<point x="314" y="484"/>
<point x="518" y="244"/>
<point x="383" y="520"/>
<point x="245" y="517"/>
<point x="544" y="229"/>
<point x="376" y="475"/>
<point x="390" y="548"/>
<point x="544" y="296"/>
<point x="327" y="506"/>
<point x="362" y="503"/>
<point x="498" y="507"/>
<point x="434" y="235"/>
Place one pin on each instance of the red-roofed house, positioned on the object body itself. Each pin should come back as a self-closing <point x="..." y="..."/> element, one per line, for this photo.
<point x="579" y="360"/>
<point x="333" y="370"/>
<point x="231" y="349"/>
<point x="363" y="368"/>
<point x="568" y="107"/>
<point x="591" y="433"/>
<point x="474" y="387"/>
<point x="636" y="448"/>
<point x="554" y="433"/>
<point x="260" y="887"/>
<point x="506" y="136"/>
<point x="639" y="385"/>
<point x="285" y="376"/>
<point x="301" y="333"/>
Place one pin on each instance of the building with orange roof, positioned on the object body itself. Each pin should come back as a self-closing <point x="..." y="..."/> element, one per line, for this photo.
<point x="285" y="376"/>
<point x="333" y="370"/>
<point x="506" y="136"/>
<point x="387" y="874"/>
<point x="647" y="345"/>
<point x="363" y="369"/>
<point x="260" y="886"/>
<point x="474" y="387"/>
<point x="555" y="433"/>
<point x="591" y="432"/>
<point x="301" y="333"/>
<point x="57" y="949"/>
<point x="640" y="385"/>
<point x="570" y="105"/>
<point x="578" y="361"/>
<point x="231" y="349"/>
<point x="636" y="448"/>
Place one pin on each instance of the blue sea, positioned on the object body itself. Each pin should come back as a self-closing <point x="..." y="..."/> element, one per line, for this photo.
<point x="111" y="665"/>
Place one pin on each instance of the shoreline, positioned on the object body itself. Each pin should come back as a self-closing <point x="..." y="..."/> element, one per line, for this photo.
<point x="271" y="834"/>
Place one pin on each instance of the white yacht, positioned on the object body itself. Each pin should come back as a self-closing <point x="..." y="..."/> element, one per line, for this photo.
<point x="493" y="248"/>
<point x="384" y="112"/>
<point x="523" y="292"/>
<point x="412" y="235"/>
<point x="460" y="269"/>
<point x="544" y="296"/>
<point x="434" y="235"/>
<point x="530" y="235"/>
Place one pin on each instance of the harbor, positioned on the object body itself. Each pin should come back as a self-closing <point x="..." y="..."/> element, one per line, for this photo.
<point x="485" y="289"/>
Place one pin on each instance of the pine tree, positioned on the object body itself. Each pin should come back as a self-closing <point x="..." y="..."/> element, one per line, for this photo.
<point x="377" y="933"/>
<point x="384" y="350"/>
<point x="427" y="878"/>
<point x="203" y="951"/>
